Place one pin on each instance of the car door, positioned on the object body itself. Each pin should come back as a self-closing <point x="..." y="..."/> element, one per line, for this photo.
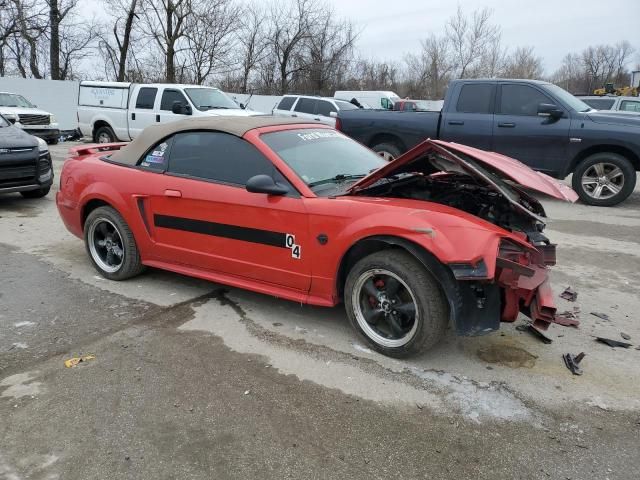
<point x="142" y="113"/>
<point x="164" y="113"/>
<point x="323" y="112"/>
<point x="470" y="120"/>
<point x="203" y="216"/>
<point x="305" y="108"/>
<point x="519" y="131"/>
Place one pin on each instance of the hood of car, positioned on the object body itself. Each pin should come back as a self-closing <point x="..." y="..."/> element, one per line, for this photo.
<point x="14" y="137"/>
<point x="491" y="168"/>
<point x="615" y="118"/>
<point x="22" y="111"/>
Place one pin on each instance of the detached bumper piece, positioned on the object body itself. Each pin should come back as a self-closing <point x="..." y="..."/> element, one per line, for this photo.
<point x="524" y="278"/>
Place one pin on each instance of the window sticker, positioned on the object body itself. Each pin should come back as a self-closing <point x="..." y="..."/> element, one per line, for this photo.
<point x="318" y="135"/>
<point x="154" y="158"/>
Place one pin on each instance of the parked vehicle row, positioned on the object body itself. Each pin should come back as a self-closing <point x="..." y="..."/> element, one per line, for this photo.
<point x="317" y="109"/>
<point x="119" y="111"/>
<point x="300" y="211"/>
<point x="535" y="122"/>
<point x="23" y="114"/>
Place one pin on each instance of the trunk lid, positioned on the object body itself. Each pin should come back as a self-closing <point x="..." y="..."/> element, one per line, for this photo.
<point x="491" y="165"/>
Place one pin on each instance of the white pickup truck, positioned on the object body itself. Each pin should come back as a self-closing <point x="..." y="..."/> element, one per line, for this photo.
<point x="25" y="115"/>
<point x="119" y="111"/>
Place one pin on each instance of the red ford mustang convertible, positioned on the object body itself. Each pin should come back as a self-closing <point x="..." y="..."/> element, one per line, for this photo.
<point x="445" y="233"/>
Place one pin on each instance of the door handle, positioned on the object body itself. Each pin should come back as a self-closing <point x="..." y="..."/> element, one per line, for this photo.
<point x="506" y="125"/>
<point x="133" y="116"/>
<point x="157" y="118"/>
<point x="294" y="115"/>
<point x="317" y="119"/>
<point x="173" y="193"/>
<point x="456" y="122"/>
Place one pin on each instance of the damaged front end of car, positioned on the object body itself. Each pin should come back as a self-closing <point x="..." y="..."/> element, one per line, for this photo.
<point x="511" y="274"/>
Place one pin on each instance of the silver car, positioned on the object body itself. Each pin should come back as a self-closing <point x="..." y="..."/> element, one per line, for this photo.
<point x="613" y="102"/>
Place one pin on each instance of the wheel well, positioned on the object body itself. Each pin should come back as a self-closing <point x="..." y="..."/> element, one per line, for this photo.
<point x="625" y="152"/>
<point x="387" y="138"/>
<point x="100" y="124"/>
<point x="90" y="206"/>
<point x="370" y="245"/>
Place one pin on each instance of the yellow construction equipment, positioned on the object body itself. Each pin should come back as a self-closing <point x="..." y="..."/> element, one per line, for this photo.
<point x="628" y="91"/>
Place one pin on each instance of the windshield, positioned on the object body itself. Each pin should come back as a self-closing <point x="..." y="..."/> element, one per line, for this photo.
<point x="13" y="100"/>
<point x="324" y="159"/>
<point x="568" y="99"/>
<point x="209" y="98"/>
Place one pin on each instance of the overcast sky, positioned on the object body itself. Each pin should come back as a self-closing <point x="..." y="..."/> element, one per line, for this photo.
<point x="552" y="27"/>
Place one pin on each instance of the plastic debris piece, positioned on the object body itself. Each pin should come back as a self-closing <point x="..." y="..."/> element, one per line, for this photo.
<point x="569" y="294"/>
<point x="613" y="343"/>
<point x="567" y="318"/>
<point x="626" y="336"/>
<point x="528" y="327"/>
<point x="573" y="362"/>
<point x="603" y="316"/>
<point x="247" y="392"/>
<point x="72" y="362"/>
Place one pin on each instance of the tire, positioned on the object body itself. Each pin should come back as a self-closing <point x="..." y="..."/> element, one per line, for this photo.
<point x="52" y="141"/>
<point x="388" y="151"/>
<point x="413" y="283"/>
<point x="100" y="226"/>
<point x="606" y="172"/>
<point x="41" y="192"/>
<point x="104" y="135"/>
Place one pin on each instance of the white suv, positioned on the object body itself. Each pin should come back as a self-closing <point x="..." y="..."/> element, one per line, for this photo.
<point x="318" y="109"/>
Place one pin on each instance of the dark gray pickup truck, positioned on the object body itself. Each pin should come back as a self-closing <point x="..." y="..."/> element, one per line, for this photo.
<point x="536" y="122"/>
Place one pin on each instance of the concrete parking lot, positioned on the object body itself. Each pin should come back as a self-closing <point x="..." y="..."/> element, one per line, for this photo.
<point x="193" y="380"/>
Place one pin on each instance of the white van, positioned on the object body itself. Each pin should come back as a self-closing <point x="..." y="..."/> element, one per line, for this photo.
<point x="119" y="111"/>
<point x="376" y="99"/>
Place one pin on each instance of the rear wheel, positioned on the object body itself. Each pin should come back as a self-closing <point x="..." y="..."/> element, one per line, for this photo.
<point x="604" y="179"/>
<point x="388" y="151"/>
<point x="105" y="135"/>
<point x="395" y="304"/>
<point x="110" y="245"/>
<point x="39" y="193"/>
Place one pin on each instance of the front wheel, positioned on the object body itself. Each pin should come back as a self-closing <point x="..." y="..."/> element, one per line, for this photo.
<point x="604" y="179"/>
<point x="395" y="304"/>
<point x="110" y="245"/>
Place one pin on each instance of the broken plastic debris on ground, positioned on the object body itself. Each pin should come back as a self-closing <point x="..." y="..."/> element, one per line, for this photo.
<point x="72" y="362"/>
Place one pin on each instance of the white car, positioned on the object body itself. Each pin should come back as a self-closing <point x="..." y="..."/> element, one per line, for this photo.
<point x="614" y="103"/>
<point x="376" y="99"/>
<point x="118" y="111"/>
<point x="23" y="114"/>
<point x="317" y="109"/>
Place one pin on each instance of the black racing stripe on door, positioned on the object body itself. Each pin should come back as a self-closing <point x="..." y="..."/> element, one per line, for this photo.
<point x="235" y="232"/>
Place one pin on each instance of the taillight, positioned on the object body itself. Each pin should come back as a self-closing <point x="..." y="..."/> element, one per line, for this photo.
<point x="338" y="124"/>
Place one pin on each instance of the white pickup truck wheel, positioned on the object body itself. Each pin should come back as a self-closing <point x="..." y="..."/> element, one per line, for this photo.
<point x="105" y="135"/>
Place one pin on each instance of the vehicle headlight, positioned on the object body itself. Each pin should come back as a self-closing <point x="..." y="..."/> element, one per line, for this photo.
<point x="42" y="145"/>
<point x="52" y="119"/>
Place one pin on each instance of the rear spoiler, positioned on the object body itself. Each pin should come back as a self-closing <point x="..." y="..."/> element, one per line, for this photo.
<point x="82" y="150"/>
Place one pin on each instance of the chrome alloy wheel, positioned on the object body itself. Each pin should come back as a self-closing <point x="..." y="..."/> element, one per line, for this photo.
<point x="385" y="308"/>
<point x="386" y="155"/>
<point x="602" y="181"/>
<point x="104" y="137"/>
<point x="105" y="245"/>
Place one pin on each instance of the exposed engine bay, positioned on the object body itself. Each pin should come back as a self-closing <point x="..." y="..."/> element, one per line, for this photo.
<point x="495" y="201"/>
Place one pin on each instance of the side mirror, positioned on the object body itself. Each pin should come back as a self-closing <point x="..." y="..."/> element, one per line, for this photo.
<point x="180" y="109"/>
<point x="265" y="184"/>
<point x="549" y="110"/>
<point x="333" y="114"/>
<point x="243" y="106"/>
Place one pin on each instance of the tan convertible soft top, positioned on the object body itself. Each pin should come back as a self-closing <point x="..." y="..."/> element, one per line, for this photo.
<point x="150" y="136"/>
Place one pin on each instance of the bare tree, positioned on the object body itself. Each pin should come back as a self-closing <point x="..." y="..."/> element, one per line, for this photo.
<point x="209" y="38"/>
<point x="166" y="21"/>
<point x="470" y="38"/>
<point x="523" y="63"/>
<point x="429" y="71"/>
<point x="118" y="36"/>
<point x="252" y="42"/>
<point x="31" y="25"/>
